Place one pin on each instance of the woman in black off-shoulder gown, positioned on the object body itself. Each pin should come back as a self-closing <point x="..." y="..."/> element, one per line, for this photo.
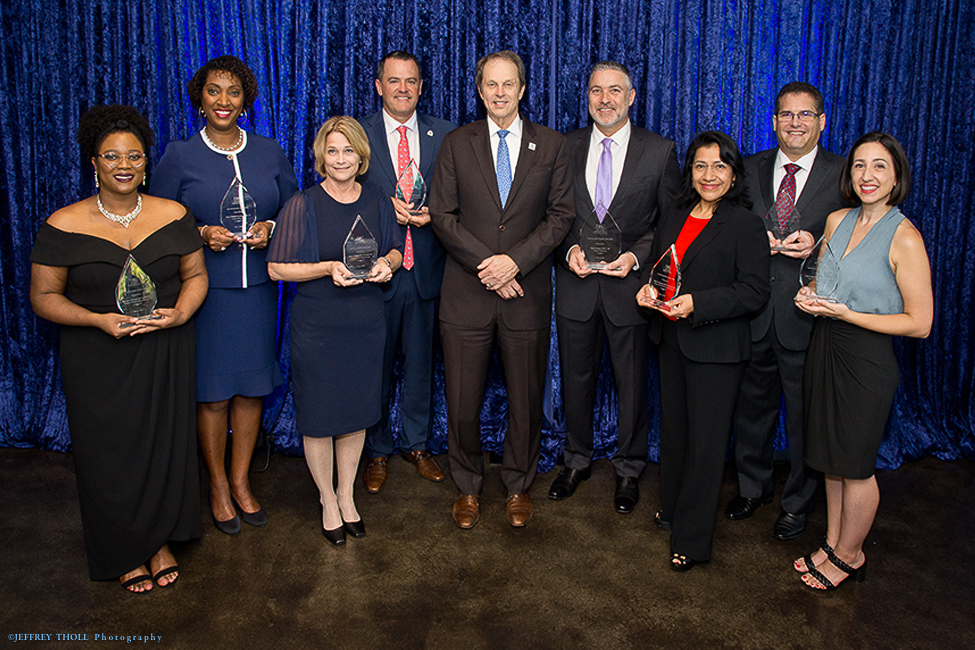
<point x="129" y="383"/>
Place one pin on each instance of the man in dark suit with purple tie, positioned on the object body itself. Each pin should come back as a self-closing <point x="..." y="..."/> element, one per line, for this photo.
<point x="399" y="135"/>
<point x="625" y="175"/>
<point x="500" y="202"/>
<point x="798" y="172"/>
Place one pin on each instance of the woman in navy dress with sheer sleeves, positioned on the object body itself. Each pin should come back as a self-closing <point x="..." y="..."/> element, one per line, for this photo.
<point x="337" y="321"/>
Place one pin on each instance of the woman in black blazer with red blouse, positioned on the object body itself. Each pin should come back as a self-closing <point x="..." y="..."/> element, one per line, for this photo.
<point x="702" y="335"/>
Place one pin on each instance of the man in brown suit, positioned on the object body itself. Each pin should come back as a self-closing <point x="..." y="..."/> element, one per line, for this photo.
<point x="501" y="202"/>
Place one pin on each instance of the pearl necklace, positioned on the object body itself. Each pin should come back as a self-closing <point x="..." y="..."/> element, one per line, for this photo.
<point x="124" y="219"/>
<point x="233" y="149"/>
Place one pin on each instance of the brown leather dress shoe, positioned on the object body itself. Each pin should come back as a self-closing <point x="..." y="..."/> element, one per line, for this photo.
<point x="467" y="510"/>
<point x="375" y="474"/>
<point x="425" y="465"/>
<point x="518" y="509"/>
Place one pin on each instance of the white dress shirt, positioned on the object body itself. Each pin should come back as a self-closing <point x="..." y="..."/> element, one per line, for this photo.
<point x="513" y="140"/>
<point x="392" y="138"/>
<point x="778" y="172"/>
<point x="621" y="141"/>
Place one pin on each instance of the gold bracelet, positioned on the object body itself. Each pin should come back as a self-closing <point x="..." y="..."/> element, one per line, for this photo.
<point x="203" y="233"/>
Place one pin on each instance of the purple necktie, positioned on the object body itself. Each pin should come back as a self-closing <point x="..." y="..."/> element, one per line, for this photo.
<point x="604" y="180"/>
<point x="785" y="200"/>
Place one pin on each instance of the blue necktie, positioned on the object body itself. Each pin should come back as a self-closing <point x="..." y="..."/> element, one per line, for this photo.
<point x="504" y="167"/>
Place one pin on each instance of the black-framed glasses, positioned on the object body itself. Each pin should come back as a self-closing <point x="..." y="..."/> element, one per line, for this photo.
<point x="114" y="159"/>
<point x="802" y="116"/>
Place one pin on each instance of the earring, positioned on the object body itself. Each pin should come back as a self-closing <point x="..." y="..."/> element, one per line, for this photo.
<point x="202" y="114"/>
<point x="96" y="181"/>
<point x="242" y="116"/>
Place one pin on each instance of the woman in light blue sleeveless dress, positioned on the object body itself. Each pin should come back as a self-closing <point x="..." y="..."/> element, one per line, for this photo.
<point x="851" y="373"/>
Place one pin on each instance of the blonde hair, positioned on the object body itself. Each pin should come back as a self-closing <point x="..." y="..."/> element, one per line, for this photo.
<point x="352" y="130"/>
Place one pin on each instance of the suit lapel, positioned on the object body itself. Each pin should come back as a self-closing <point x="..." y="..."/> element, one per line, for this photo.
<point x="582" y="157"/>
<point x="766" y="172"/>
<point x="481" y="145"/>
<point x="376" y="132"/>
<point x="426" y="137"/>
<point x="634" y="154"/>
<point x="710" y="231"/>
<point x="525" y="159"/>
<point x="817" y="175"/>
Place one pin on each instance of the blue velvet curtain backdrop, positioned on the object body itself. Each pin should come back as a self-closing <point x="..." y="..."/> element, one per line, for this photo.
<point x="895" y="65"/>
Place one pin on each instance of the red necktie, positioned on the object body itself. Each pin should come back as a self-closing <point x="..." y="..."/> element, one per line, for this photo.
<point x="785" y="200"/>
<point x="406" y="184"/>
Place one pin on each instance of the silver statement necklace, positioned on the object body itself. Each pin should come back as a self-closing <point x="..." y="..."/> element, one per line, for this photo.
<point x="124" y="219"/>
<point x="236" y="146"/>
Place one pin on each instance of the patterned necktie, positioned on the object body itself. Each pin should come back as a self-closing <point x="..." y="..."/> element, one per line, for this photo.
<point x="785" y="200"/>
<point x="604" y="180"/>
<point x="406" y="184"/>
<point x="504" y="167"/>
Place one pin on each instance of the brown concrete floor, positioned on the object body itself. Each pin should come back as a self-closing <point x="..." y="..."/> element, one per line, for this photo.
<point x="578" y="576"/>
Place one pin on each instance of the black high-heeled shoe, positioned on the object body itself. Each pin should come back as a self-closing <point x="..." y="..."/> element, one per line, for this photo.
<point x="857" y="575"/>
<point x="682" y="563"/>
<point x="228" y="527"/>
<point x="356" y="529"/>
<point x="335" y="536"/>
<point x="826" y="548"/>
<point x="257" y="519"/>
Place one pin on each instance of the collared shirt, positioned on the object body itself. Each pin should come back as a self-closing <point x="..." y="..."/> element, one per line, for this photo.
<point x="778" y="172"/>
<point x="621" y="141"/>
<point x="392" y="138"/>
<point x="513" y="140"/>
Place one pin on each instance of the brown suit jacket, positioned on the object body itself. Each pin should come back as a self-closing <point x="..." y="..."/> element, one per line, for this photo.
<point x="469" y="221"/>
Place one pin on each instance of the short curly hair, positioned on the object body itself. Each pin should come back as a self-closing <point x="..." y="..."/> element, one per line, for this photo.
<point x="98" y="122"/>
<point x="226" y="63"/>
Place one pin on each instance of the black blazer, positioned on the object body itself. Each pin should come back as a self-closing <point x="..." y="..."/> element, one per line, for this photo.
<point x="429" y="256"/>
<point x="820" y="196"/>
<point x="726" y="270"/>
<point x="650" y="175"/>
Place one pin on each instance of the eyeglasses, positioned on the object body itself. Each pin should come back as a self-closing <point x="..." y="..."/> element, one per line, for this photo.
<point x="114" y="159"/>
<point x="802" y="116"/>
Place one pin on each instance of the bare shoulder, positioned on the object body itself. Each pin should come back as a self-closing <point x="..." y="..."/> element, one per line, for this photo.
<point x="834" y="219"/>
<point x="163" y="210"/>
<point x="907" y="240"/>
<point x="72" y="217"/>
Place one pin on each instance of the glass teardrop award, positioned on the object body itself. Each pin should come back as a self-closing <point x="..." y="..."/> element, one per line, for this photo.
<point x="665" y="279"/>
<point x="238" y="211"/>
<point x="361" y="251"/>
<point x="600" y="240"/>
<point x="411" y="188"/>
<point x="820" y="273"/>
<point x="135" y="293"/>
<point x="781" y="226"/>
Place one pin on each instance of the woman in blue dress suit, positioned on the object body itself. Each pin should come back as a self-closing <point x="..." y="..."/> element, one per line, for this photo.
<point x="236" y="326"/>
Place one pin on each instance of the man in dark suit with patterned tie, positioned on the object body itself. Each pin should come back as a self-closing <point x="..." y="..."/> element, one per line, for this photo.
<point x="500" y="202"/>
<point x="797" y="173"/>
<point x="624" y="175"/>
<point x="399" y="135"/>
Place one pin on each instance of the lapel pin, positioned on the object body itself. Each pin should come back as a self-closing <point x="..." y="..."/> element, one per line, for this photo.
<point x="430" y="133"/>
<point x="531" y="146"/>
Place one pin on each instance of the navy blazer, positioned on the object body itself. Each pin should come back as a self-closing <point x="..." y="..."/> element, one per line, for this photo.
<point x="650" y="175"/>
<point x="820" y="196"/>
<point x="726" y="270"/>
<point x="427" y="252"/>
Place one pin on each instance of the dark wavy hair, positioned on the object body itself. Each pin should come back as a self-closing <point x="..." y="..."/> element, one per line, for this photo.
<point x="98" y="122"/>
<point x="226" y="63"/>
<point x="728" y="151"/>
<point x="902" y="168"/>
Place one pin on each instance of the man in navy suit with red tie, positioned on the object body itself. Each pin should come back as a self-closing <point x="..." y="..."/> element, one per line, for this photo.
<point x="398" y="134"/>
<point x="802" y="174"/>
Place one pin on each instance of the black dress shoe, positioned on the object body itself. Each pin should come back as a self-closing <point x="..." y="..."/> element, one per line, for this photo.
<point x="742" y="507"/>
<point x="355" y="529"/>
<point x="335" y="536"/>
<point x="789" y="526"/>
<point x="627" y="494"/>
<point x="565" y="484"/>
